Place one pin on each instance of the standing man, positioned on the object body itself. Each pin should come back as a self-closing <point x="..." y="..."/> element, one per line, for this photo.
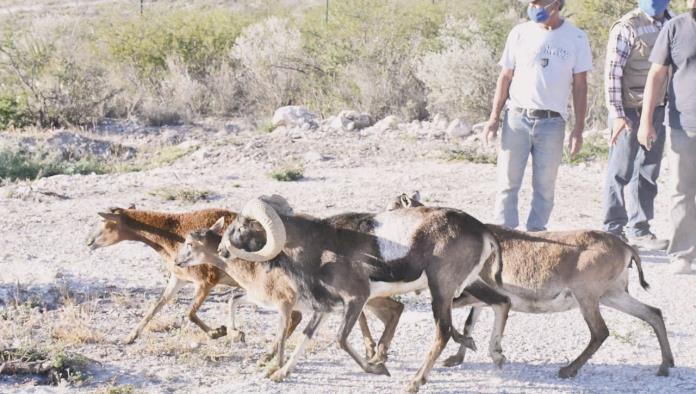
<point x="630" y="41"/>
<point x="544" y="59"/>
<point x="676" y="49"/>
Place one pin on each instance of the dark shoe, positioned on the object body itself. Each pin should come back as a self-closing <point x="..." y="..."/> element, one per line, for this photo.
<point x="649" y="242"/>
<point x="621" y="235"/>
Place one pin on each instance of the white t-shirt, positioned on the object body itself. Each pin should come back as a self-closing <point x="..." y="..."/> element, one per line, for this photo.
<point x="544" y="62"/>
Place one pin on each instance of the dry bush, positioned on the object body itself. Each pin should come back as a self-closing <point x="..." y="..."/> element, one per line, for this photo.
<point x="163" y="323"/>
<point x="60" y="78"/>
<point x="270" y="55"/>
<point x="74" y="324"/>
<point x="460" y="75"/>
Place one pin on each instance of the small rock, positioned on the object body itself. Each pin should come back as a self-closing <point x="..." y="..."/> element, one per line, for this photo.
<point x="391" y="122"/>
<point x="294" y="116"/>
<point x="440" y="122"/>
<point x="458" y="128"/>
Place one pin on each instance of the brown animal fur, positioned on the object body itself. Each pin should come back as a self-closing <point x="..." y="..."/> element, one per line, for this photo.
<point x="165" y="233"/>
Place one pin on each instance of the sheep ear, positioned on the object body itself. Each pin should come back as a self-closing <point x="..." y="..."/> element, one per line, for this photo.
<point x="109" y="216"/>
<point x="132" y="206"/>
<point x="219" y="225"/>
<point x="115" y="210"/>
<point x="415" y="196"/>
<point x="405" y="201"/>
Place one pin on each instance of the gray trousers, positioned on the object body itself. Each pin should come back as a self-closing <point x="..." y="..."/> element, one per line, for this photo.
<point x="682" y="159"/>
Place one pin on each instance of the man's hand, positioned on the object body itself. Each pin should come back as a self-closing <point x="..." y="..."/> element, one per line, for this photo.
<point x="620" y="125"/>
<point x="491" y="129"/>
<point x="647" y="134"/>
<point x="575" y="142"/>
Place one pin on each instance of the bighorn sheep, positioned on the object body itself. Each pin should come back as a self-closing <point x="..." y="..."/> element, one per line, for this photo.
<point x="348" y="259"/>
<point x="549" y="272"/>
<point x="269" y="285"/>
<point x="165" y="233"/>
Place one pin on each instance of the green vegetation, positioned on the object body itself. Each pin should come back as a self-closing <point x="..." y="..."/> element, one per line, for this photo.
<point x="31" y="165"/>
<point x="594" y="148"/>
<point x="471" y="155"/>
<point x="287" y="173"/>
<point x="55" y="365"/>
<point x="171" y="65"/>
<point x="187" y="195"/>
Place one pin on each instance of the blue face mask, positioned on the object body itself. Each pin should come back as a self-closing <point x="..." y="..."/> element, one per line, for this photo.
<point x="538" y="14"/>
<point x="653" y="8"/>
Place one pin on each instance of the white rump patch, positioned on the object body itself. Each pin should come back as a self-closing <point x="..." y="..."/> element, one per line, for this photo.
<point x="388" y="289"/>
<point x="395" y="231"/>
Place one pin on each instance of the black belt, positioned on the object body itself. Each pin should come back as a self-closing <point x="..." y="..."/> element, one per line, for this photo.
<point x="538" y="113"/>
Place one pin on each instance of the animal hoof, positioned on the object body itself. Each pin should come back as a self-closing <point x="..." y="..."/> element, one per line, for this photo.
<point x="130" y="339"/>
<point x="218" y="332"/>
<point x="499" y="360"/>
<point x="377" y="369"/>
<point x="279" y="376"/>
<point x="453" y="361"/>
<point x="237" y="336"/>
<point x="663" y="371"/>
<point x="271" y="370"/>
<point x="671" y="363"/>
<point x="567" y="372"/>
<point x="469" y="343"/>
<point x="412" y="387"/>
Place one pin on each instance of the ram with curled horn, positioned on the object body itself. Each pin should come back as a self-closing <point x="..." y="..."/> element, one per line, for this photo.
<point x="348" y="259"/>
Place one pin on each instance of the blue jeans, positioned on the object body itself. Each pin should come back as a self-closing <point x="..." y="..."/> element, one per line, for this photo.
<point x="636" y="168"/>
<point x="683" y="183"/>
<point x="520" y="136"/>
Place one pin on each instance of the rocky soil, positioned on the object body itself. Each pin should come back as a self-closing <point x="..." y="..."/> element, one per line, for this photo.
<point x="55" y="292"/>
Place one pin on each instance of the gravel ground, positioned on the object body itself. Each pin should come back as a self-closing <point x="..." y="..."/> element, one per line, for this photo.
<point x="43" y="256"/>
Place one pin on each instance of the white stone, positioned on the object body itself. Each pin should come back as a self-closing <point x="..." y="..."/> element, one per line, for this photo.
<point x="440" y="121"/>
<point x="458" y="128"/>
<point x="391" y="122"/>
<point x="294" y="116"/>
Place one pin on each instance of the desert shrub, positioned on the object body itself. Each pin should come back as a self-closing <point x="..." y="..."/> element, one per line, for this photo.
<point x="272" y="60"/>
<point x="61" y="79"/>
<point x="459" y="74"/>
<point x="364" y="56"/>
<point x="13" y="113"/>
<point x="24" y="164"/>
<point x="200" y="38"/>
<point x="287" y="173"/>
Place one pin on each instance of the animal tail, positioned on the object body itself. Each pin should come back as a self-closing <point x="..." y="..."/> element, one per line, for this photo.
<point x="636" y="257"/>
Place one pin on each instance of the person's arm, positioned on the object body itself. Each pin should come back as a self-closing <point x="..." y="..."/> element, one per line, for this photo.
<point x="651" y="98"/>
<point x="502" y="92"/>
<point x="661" y="59"/>
<point x="580" y="107"/>
<point x="618" y="50"/>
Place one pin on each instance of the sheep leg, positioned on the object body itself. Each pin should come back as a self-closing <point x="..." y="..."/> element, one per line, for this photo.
<point x="468" y="328"/>
<point x="353" y="309"/>
<point x="389" y="312"/>
<point x="235" y="301"/>
<point x="282" y="335"/>
<point x="309" y="331"/>
<point x="495" y="349"/>
<point x="623" y="302"/>
<point x="173" y="286"/>
<point x="202" y="291"/>
<point x="442" y="312"/>
<point x="293" y="321"/>
<point x="589" y="306"/>
<point x="367" y="337"/>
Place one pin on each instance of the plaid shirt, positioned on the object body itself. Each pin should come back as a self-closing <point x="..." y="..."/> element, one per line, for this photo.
<point x="621" y="40"/>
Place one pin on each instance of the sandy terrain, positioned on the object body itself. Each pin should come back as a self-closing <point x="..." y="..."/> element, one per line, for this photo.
<point x="43" y="257"/>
